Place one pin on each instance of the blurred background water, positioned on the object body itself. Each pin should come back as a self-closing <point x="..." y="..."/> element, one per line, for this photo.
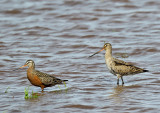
<point x="59" y="36"/>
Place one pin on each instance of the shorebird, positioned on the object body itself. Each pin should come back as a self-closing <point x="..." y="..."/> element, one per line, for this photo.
<point x="40" y="79"/>
<point x="118" y="67"/>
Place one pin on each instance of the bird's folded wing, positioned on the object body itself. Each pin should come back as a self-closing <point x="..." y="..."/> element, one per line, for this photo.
<point x="47" y="79"/>
<point x="121" y="62"/>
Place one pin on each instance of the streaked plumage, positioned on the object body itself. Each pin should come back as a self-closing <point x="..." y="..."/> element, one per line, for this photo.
<point x="118" y="67"/>
<point x="40" y="79"/>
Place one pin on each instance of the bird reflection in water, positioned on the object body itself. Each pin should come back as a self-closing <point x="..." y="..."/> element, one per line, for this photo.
<point x="117" y="93"/>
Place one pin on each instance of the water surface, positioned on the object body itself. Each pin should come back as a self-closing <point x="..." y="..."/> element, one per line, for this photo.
<point x="59" y="36"/>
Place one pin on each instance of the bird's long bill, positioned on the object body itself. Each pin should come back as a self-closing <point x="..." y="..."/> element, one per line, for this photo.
<point x="97" y="52"/>
<point x="23" y="66"/>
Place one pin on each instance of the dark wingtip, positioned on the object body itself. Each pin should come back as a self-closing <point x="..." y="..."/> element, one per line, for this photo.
<point x="65" y="80"/>
<point x="145" y="70"/>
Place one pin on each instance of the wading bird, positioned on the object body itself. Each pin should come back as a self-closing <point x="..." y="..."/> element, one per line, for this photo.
<point x="38" y="78"/>
<point x="118" y="67"/>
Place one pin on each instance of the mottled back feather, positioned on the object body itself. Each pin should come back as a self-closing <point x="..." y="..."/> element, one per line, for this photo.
<point x="121" y="62"/>
<point x="46" y="79"/>
<point x="124" y="68"/>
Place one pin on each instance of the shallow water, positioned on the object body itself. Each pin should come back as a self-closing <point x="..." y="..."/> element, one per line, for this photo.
<point x="59" y="36"/>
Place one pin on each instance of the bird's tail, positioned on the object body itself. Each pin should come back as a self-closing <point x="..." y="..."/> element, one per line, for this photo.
<point x="59" y="81"/>
<point x="145" y="70"/>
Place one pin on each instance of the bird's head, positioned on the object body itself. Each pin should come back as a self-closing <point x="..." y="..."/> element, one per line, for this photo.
<point x="28" y="63"/>
<point x="106" y="45"/>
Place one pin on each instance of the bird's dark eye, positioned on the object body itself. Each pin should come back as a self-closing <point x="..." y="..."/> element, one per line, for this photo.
<point x="27" y="62"/>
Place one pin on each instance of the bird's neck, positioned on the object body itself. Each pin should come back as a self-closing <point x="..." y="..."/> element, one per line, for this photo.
<point x="31" y="68"/>
<point x="30" y="72"/>
<point x="108" y="53"/>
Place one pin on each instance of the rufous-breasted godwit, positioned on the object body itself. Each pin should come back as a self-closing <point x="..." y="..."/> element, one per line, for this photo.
<point x="38" y="78"/>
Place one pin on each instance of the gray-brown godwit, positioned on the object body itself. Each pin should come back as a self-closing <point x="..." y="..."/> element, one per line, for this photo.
<point x="40" y="79"/>
<point x="118" y="67"/>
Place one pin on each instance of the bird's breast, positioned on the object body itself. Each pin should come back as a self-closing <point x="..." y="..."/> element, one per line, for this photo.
<point x="109" y="63"/>
<point x="111" y="66"/>
<point x="34" y="79"/>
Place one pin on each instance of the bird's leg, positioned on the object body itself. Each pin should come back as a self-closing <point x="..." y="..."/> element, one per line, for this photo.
<point x="122" y="80"/>
<point x="42" y="87"/>
<point x="117" y="81"/>
<point x="118" y="76"/>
